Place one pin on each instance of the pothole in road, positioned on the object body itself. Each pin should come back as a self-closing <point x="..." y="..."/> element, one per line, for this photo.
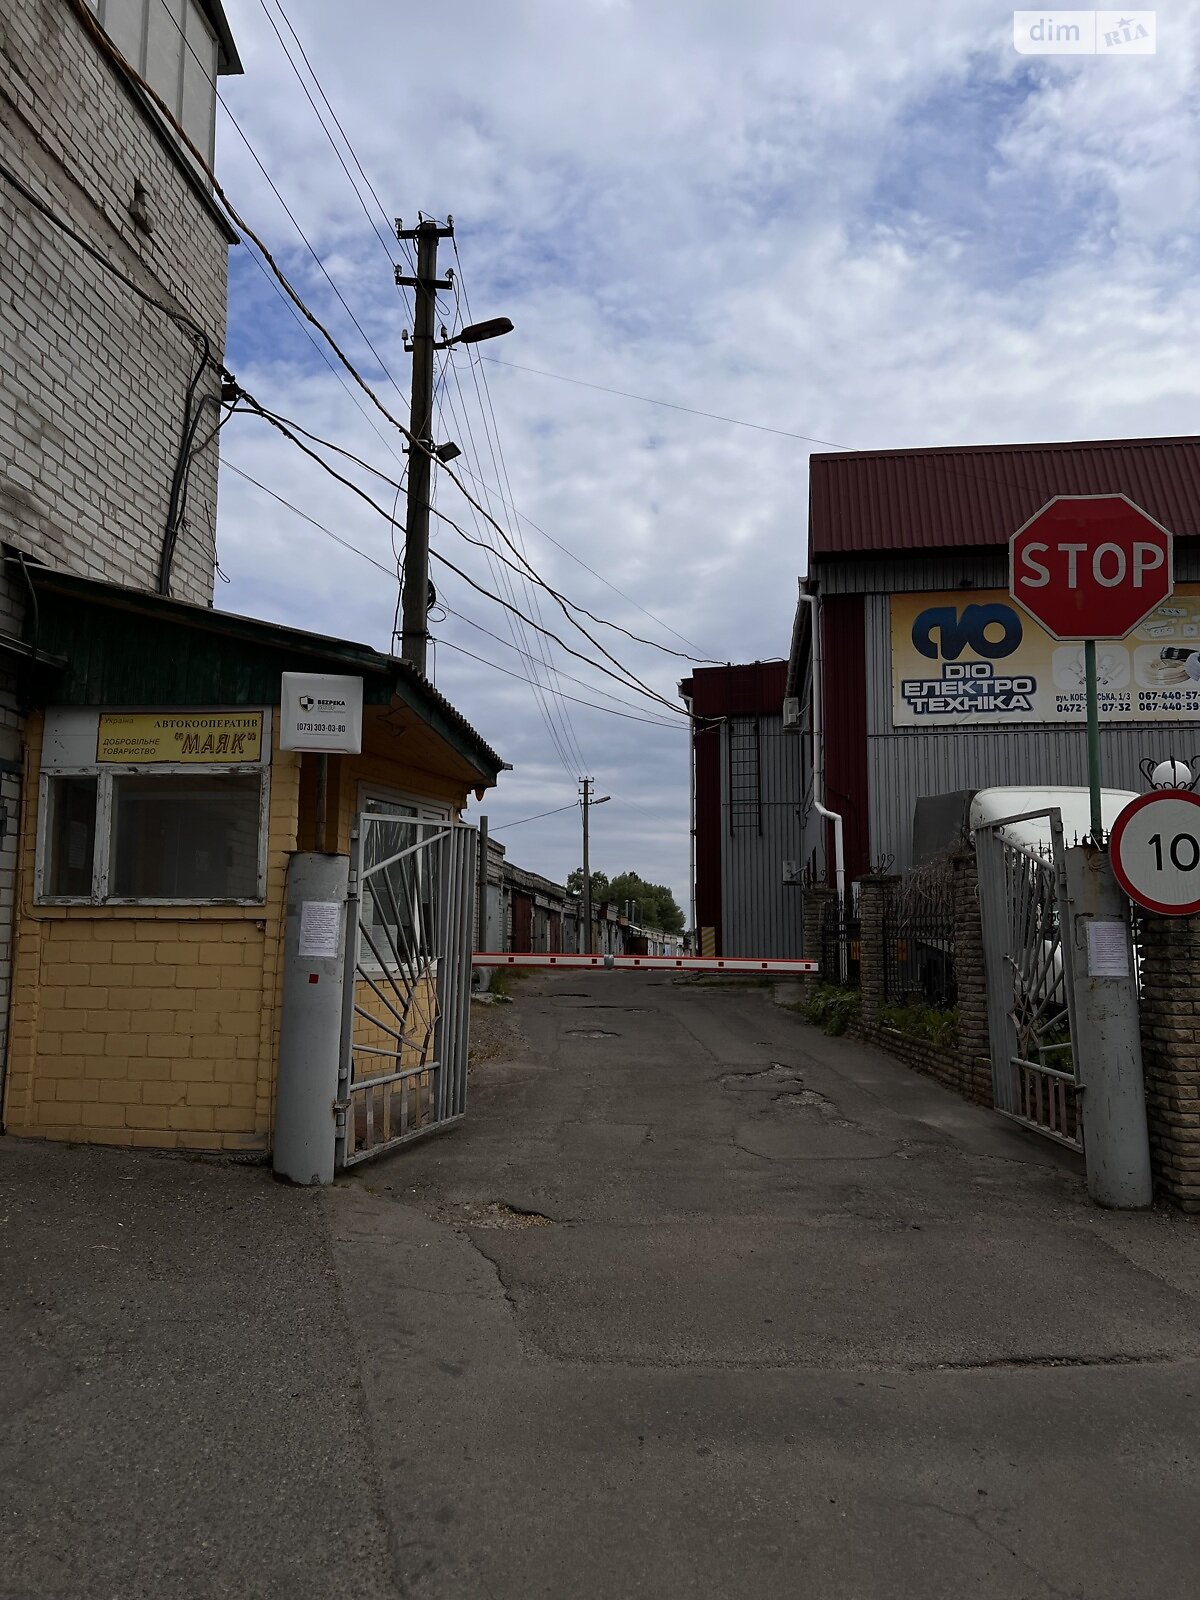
<point x="493" y="1214"/>
<point x="777" y="1074"/>
<point x="591" y="1033"/>
<point x="804" y="1097"/>
<point x="788" y="1083"/>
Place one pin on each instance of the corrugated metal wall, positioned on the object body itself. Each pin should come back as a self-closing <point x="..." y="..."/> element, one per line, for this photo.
<point x="903" y="764"/>
<point x="906" y="763"/>
<point x="759" y="916"/>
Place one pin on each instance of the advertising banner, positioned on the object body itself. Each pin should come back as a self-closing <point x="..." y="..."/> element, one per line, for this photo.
<point x="964" y="658"/>
<point x="182" y="738"/>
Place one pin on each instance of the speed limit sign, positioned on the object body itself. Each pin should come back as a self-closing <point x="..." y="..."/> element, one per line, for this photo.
<point x="1155" y="852"/>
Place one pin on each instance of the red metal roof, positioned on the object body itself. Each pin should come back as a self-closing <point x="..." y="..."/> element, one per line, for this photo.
<point x="749" y="690"/>
<point x="978" y="495"/>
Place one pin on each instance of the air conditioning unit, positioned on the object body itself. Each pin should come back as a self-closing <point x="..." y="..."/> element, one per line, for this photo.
<point x="791" y="714"/>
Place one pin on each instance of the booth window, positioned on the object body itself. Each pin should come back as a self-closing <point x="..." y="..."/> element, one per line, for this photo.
<point x="398" y="900"/>
<point x="154" y="837"/>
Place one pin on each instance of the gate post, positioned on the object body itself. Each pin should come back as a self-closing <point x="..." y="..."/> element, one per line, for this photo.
<point x="970" y="972"/>
<point x="876" y="899"/>
<point x="813" y="908"/>
<point x="1171" y="1054"/>
<point x="1108" y="1046"/>
<point x="310" y="1024"/>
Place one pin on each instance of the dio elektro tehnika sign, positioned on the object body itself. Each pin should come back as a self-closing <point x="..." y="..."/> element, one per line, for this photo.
<point x="965" y="658"/>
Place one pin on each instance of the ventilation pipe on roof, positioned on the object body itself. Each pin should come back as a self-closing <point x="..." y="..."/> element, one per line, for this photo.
<point x="818" y="737"/>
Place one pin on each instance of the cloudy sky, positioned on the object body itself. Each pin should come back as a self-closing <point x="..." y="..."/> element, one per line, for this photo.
<point x="877" y="227"/>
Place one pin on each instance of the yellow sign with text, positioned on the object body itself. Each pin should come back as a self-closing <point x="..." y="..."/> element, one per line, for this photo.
<point x="153" y="738"/>
<point x="962" y="659"/>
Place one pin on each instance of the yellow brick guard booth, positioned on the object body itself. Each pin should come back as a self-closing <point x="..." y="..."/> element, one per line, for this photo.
<point x="158" y="817"/>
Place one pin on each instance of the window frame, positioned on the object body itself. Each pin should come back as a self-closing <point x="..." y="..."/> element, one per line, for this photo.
<point x="102" y="852"/>
<point x="427" y="811"/>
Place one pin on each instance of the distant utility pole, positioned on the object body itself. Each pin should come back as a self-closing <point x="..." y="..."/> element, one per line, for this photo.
<point x="415" y="592"/>
<point x="585" y="947"/>
<point x="587" y="799"/>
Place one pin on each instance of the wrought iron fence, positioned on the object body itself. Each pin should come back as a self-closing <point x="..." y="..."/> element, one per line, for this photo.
<point x="841" y="941"/>
<point x="918" y="941"/>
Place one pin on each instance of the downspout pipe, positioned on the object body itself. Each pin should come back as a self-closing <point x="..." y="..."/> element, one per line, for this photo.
<point x="818" y="738"/>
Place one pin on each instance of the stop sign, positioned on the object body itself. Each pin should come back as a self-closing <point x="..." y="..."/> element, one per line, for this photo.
<point x="1090" y="566"/>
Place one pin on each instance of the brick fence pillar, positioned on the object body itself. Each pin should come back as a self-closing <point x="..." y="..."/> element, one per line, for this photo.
<point x="974" y="1043"/>
<point x="876" y="899"/>
<point x="812" y="909"/>
<point x="1170" y="1010"/>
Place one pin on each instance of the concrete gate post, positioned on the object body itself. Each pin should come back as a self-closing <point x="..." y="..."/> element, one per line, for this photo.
<point x="1108" y="1046"/>
<point x="876" y="900"/>
<point x="310" y="1024"/>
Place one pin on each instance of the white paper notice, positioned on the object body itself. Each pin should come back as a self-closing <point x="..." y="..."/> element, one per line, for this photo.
<point x="319" y="924"/>
<point x="1108" y="950"/>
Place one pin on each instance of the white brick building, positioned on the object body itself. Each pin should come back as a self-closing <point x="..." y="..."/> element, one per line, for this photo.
<point x="94" y="382"/>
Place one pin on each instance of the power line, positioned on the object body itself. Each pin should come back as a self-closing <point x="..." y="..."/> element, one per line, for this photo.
<point x="312" y="521"/>
<point x="88" y="21"/>
<point x="324" y="129"/>
<point x="406" y="249"/>
<point x="628" y="716"/>
<point x="521" y="640"/>
<point x="579" y="561"/>
<point x="554" y="713"/>
<point x="354" y="549"/>
<point x="324" y="355"/>
<point x="490" y="432"/>
<point x="537" y="817"/>
<point x="559" y="672"/>
<point x="261" y="167"/>
<point x="291" y="430"/>
<point x="183" y="319"/>
<point x="649" y="400"/>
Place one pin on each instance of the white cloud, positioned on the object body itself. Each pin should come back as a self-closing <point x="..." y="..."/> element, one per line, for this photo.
<point x="881" y="229"/>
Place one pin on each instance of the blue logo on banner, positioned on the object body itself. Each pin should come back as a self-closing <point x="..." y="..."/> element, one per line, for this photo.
<point x="967" y="630"/>
<point x="971" y="687"/>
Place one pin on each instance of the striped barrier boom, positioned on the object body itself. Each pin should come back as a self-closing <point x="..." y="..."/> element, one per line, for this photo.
<point x="779" y="967"/>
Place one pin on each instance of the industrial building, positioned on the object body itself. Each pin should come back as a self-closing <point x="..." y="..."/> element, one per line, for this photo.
<point x="913" y="674"/>
<point x="746" y="789"/>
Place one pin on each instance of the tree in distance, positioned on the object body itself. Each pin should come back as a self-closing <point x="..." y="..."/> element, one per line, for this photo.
<point x="651" y="905"/>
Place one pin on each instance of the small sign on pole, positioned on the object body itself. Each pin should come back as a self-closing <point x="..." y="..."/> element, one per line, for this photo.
<point x="321" y="712"/>
<point x="1155" y="852"/>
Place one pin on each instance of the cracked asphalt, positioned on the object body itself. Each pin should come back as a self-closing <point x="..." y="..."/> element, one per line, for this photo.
<point x="696" y="1302"/>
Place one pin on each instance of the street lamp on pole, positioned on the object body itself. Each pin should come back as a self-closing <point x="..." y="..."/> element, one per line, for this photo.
<point x="415" y="590"/>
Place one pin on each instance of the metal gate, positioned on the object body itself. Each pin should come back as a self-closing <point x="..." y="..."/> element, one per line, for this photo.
<point x="1030" y="985"/>
<point x="407" y="986"/>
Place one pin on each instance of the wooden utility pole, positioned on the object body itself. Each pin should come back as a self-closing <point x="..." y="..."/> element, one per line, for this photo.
<point x="415" y="591"/>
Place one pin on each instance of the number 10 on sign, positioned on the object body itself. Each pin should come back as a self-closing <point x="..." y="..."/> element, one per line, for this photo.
<point x="1155" y="851"/>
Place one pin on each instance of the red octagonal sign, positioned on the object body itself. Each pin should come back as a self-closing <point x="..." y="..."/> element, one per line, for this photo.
<point x="1090" y="566"/>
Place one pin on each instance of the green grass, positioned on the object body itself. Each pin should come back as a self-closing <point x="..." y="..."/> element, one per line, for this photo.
<point x="833" y="1008"/>
<point x="931" y="1023"/>
<point x="504" y="979"/>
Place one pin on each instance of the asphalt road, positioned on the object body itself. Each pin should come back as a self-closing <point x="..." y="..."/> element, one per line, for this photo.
<point x="696" y="1303"/>
<point x="700" y="1302"/>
